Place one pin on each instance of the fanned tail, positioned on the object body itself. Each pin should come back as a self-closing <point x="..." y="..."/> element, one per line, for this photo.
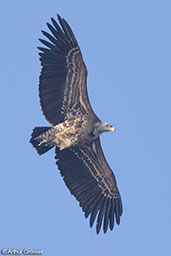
<point x="42" y="139"/>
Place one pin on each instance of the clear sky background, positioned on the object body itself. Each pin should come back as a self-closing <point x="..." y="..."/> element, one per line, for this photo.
<point x="127" y="49"/>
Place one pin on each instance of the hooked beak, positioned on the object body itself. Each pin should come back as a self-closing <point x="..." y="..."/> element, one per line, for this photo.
<point x="113" y="129"/>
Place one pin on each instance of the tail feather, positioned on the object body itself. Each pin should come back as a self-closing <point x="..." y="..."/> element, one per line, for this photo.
<point x="37" y="140"/>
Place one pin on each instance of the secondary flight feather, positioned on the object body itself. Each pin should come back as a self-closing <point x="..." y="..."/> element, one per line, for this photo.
<point x="74" y="127"/>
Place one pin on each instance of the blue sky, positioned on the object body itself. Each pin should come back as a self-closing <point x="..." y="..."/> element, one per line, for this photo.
<point x="127" y="49"/>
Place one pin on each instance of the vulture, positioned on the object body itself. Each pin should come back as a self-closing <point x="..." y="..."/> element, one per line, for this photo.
<point x="74" y="127"/>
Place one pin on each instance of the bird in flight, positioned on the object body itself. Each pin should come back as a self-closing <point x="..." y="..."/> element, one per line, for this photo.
<point x="74" y="127"/>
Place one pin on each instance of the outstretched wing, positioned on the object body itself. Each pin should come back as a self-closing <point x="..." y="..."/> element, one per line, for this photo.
<point x="62" y="85"/>
<point x="90" y="179"/>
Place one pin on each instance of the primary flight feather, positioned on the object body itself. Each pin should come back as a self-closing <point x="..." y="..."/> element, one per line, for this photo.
<point x="75" y="129"/>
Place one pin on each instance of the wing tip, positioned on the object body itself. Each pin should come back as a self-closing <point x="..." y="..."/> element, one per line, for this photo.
<point x="59" y="17"/>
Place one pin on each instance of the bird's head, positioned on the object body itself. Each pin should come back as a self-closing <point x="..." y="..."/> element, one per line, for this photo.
<point x="108" y="127"/>
<point x="103" y="127"/>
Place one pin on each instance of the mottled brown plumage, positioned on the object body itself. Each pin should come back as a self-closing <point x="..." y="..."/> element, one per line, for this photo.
<point x="75" y="128"/>
<point x="74" y="132"/>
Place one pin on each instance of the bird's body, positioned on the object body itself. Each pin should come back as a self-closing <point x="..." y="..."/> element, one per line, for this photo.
<point x="74" y="132"/>
<point x="75" y="128"/>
